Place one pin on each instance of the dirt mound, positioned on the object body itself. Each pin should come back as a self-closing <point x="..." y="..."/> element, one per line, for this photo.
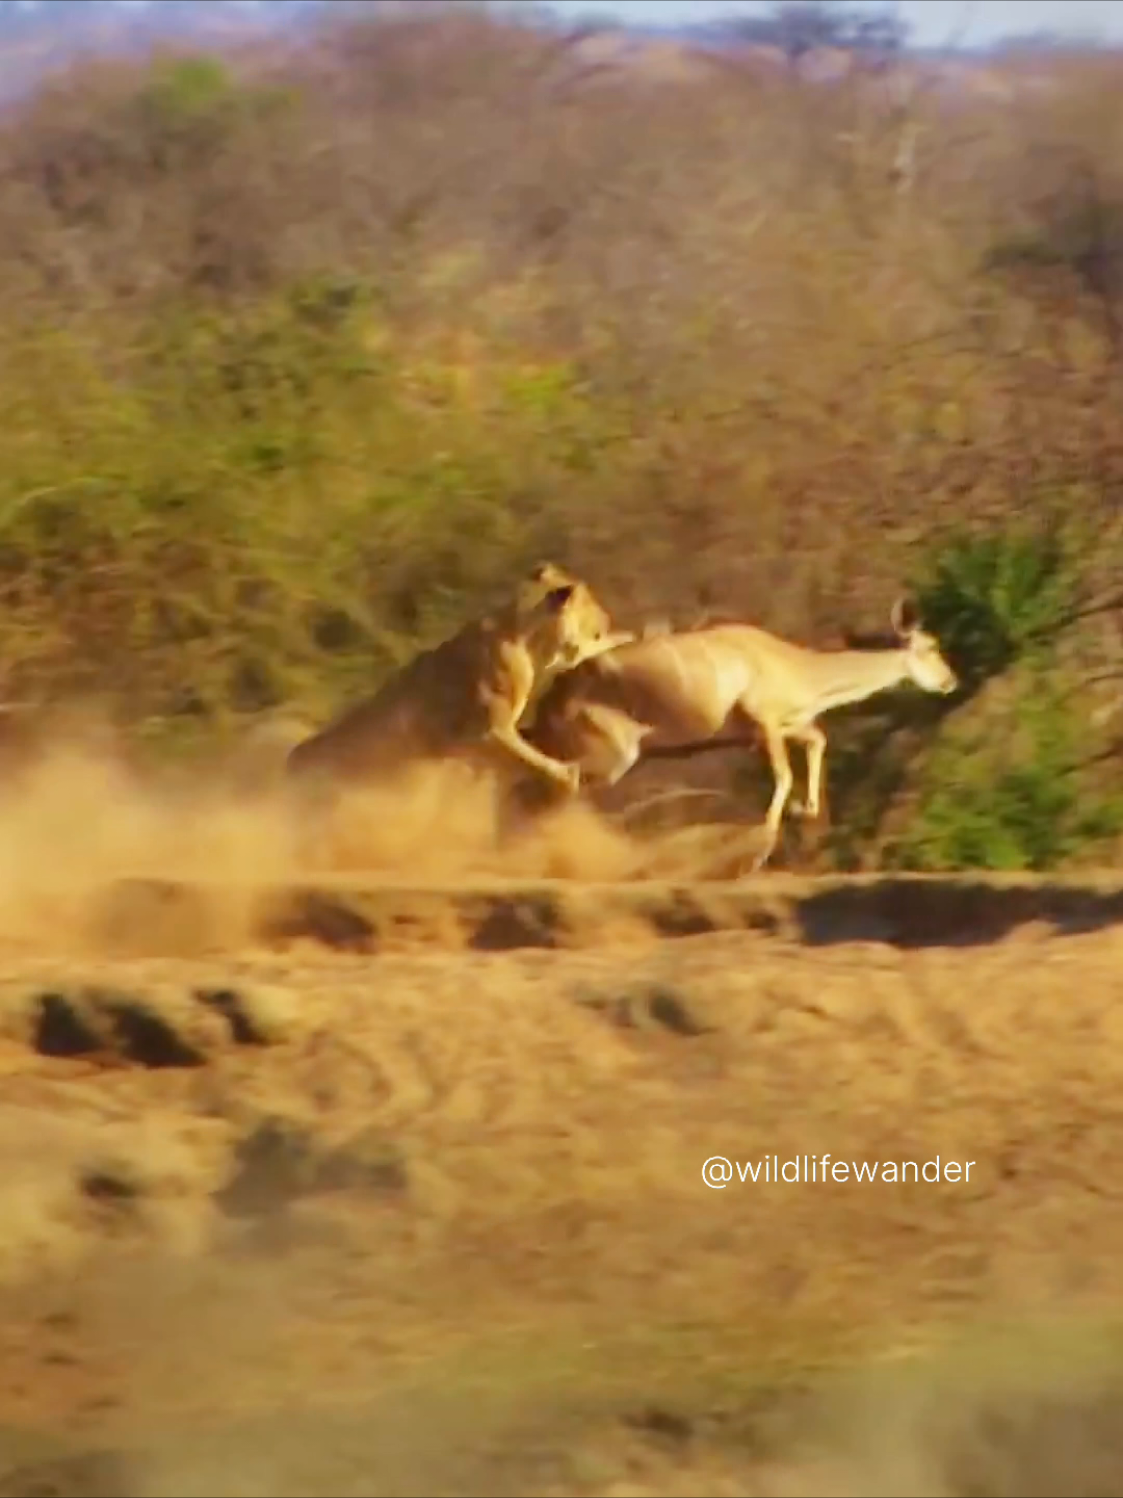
<point x="436" y="1222"/>
<point x="317" y="1178"/>
<point x="146" y="917"/>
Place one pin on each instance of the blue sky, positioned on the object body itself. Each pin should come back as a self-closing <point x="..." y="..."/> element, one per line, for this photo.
<point x="933" y="22"/>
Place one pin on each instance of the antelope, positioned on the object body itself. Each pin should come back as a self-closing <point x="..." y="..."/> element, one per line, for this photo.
<point x="670" y="694"/>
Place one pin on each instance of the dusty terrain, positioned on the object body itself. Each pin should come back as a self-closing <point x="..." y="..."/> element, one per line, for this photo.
<point x="388" y="1180"/>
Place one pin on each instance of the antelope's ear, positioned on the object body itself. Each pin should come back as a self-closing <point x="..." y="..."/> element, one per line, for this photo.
<point x="904" y="617"/>
<point x="557" y="598"/>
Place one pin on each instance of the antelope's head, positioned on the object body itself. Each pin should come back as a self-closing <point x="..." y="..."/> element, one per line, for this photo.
<point x="924" y="659"/>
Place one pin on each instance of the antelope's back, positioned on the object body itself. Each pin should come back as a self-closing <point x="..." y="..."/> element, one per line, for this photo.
<point x="631" y="679"/>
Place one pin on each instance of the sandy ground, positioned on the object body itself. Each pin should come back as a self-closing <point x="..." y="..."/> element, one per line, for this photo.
<point x="386" y="1182"/>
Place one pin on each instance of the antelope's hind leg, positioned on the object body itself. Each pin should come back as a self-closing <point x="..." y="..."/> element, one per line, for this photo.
<point x="611" y="742"/>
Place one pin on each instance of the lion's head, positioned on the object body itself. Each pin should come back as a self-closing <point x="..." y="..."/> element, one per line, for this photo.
<point x="561" y="609"/>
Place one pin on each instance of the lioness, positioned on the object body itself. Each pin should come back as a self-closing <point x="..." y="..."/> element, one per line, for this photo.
<point x="473" y="688"/>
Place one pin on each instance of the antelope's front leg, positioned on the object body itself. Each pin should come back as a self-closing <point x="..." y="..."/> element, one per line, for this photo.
<point x="816" y="741"/>
<point x="782" y="772"/>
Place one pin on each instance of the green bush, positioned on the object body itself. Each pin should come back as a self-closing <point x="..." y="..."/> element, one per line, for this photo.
<point x="993" y="597"/>
<point x="990" y="777"/>
<point x="1011" y="793"/>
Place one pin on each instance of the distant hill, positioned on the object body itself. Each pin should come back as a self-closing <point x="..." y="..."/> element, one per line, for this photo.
<point x="38" y="36"/>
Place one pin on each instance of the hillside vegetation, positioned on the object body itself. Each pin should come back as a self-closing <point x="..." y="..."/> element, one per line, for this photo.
<point x="308" y="350"/>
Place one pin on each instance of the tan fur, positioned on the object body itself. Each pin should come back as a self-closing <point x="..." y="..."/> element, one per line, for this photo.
<point x="656" y="629"/>
<point x="474" y="688"/>
<point x="675" y="693"/>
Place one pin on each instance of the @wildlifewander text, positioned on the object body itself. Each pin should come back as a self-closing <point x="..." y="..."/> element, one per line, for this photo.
<point x="719" y="1172"/>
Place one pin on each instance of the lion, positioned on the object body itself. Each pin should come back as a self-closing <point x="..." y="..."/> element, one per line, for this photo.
<point x="473" y="689"/>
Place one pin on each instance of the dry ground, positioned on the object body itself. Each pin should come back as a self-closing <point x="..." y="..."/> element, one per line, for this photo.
<point x="322" y="1181"/>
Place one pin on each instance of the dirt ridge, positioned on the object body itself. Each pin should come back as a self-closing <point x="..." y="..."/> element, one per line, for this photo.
<point x="146" y="916"/>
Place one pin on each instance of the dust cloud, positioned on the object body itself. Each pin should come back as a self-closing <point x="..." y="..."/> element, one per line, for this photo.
<point x="931" y="1426"/>
<point x="82" y="810"/>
